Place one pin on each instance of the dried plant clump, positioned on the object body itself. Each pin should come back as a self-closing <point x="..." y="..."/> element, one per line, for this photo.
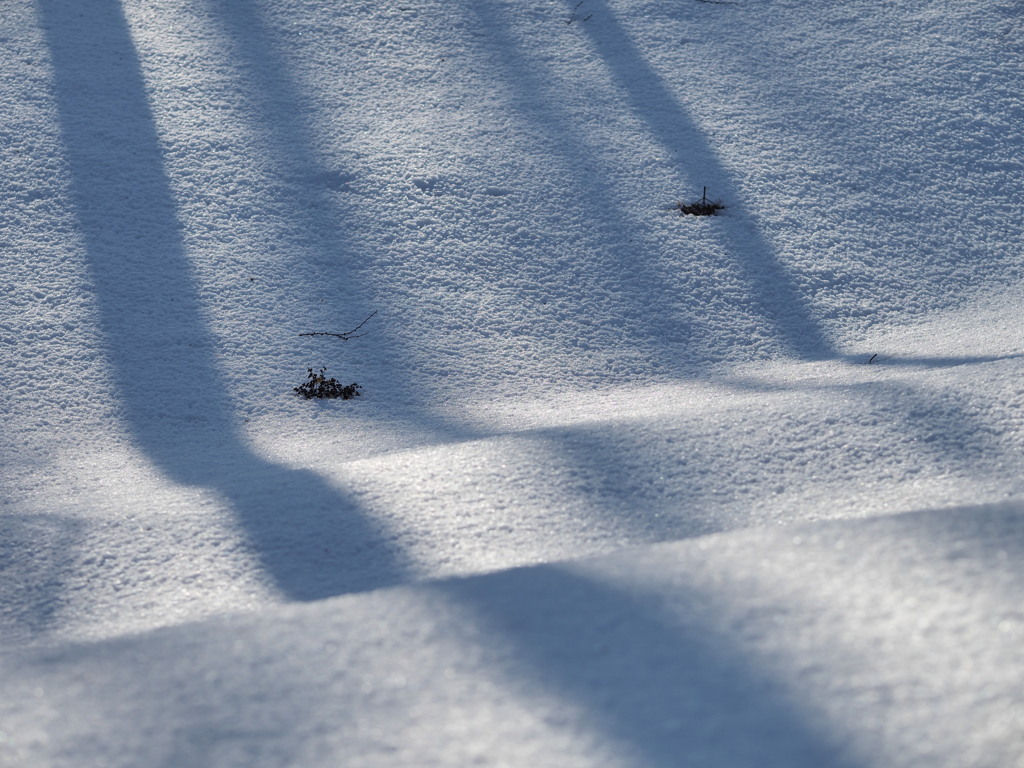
<point x="702" y="207"/>
<point x="317" y="385"/>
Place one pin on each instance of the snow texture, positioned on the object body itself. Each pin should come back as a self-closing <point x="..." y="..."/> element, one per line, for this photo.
<point x="624" y="487"/>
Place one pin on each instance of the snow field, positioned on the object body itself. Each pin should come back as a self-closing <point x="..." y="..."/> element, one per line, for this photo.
<point x="625" y="487"/>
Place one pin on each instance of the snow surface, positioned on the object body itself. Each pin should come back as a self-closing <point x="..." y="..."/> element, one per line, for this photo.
<point x="625" y="488"/>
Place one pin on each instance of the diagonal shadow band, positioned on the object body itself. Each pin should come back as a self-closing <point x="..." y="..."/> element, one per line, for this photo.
<point x="277" y="111"/>
<point x="774" y="295"/>
<point x="671" y="695"/>
<point x="36" y="552"/>
<point x="311" y="540"/>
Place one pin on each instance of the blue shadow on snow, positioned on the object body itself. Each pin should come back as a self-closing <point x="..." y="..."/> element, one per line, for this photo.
<point x="672" y="695"/>
<point x="311" y="540"/>
<point x="773" y="292"/>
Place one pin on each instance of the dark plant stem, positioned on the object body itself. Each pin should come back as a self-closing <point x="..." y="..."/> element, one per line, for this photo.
<point x="345" y="335"/>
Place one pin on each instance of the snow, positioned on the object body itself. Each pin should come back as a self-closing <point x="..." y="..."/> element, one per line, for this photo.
<point x="624" y="487"/>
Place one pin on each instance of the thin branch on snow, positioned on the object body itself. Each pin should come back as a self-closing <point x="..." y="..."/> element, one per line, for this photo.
<point x="346" y="335"/>
<point x="574" y="17"/>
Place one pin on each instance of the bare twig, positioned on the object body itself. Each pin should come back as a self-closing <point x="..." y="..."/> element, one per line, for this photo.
<point x="574" y="17"/>
<point x="346" y="335"/>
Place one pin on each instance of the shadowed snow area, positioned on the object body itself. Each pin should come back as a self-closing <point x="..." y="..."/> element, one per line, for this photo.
<point x="624" y="487"/>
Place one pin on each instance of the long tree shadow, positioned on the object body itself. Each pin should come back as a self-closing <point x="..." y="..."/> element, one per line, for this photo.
<point x="280" y="116"/>
<point x="672" y="695"/>
<point x="937" y="361"/>
<point x="656" y="673"/>
<point x="776" y="297"/>
<point x="36" y="553"/>
<point x="310" y="539"/>
<point x="772" y="294"/>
